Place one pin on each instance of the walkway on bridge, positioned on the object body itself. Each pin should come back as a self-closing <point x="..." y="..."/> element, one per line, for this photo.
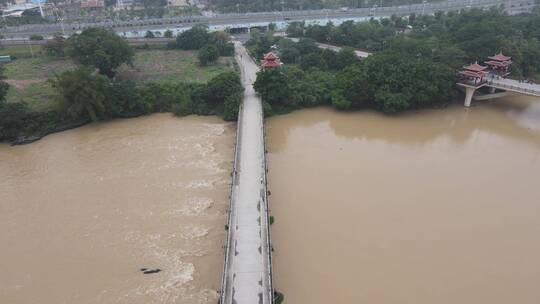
<point x="247" y="277"/>
<point x="515" y="86"/>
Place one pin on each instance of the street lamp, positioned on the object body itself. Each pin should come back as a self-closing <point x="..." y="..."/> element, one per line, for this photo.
<point x="424" y="6"/>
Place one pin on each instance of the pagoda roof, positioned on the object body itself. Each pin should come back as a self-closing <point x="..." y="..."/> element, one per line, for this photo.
<point x="270" y="56"/>
<point x="270" y="63"/>
<point x="498" y="63"/>
<point x="500" y="57"/>
<point x="473" y="74"/>
<point x="475" y="67"/>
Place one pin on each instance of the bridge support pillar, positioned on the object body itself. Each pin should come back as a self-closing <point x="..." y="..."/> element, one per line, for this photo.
<point x="491" y="90"/>
<point x="469" y="92"/>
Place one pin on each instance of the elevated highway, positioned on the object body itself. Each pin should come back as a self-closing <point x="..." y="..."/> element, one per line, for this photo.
<point x="138" y="28"/>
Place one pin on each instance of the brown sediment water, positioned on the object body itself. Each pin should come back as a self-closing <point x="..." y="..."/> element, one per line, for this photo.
<point x="83" y="210"/>
<point x="440" y="206"/>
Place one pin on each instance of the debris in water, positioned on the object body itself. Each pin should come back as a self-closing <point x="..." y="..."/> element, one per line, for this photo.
<point x="150" y="270"/>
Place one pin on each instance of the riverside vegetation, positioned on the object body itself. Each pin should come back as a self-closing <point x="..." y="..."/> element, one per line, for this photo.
<point x="94" y="84"/>
<point x="414" y="63"/>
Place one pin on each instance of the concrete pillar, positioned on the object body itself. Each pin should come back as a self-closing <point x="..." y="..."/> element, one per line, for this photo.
<point x="491" y="90"/>
<point x="469" y="92"/>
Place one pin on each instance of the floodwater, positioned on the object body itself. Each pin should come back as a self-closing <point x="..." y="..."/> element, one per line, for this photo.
<point x="83" y="210"/>
<point x="441" y="206"/>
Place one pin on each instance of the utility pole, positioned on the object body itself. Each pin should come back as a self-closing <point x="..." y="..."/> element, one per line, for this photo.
<point x="30" y="47"/>
<point x="40" y="9"/>
<point x="61" y="19"/>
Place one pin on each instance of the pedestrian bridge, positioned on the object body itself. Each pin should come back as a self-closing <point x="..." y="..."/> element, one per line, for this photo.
<point x="247" y="273"/>
<point x="515" y="86"/>
<point x="505" y="84"/>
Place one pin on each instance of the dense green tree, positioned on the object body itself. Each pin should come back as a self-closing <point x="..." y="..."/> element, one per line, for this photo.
<point x="272" y="85"/>
<point x="168" y="34"/>
<point x="56" y="46"/>
<point x="224" y="85"/>
<point x="4" y="87"/>
<point x="345" y="57"/>
<point x="352" y="84"/>
<point x="36" y="37"/>
<point x="307" y="45"/>
<point x="208" y="54"/>
<point x="194" y="38"/>
<point x="296" y="29"/>
<point x="231" y="106"/>
<point x="100" y="48"/>
<point x="313" y="60"/>
<point x="149" y="34"/>
<point x="222" y="42"/>
<point x="123" y="100"/>
<point x="12" y="120"/>
<point x="396" y="82"/>
<point x="82" y="93"/>
<point x="183" y="105"/>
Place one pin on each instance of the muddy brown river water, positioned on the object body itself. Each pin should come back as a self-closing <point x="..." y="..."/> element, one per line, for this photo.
<point x="83" y="210"/>
<point x="440" y="206"/>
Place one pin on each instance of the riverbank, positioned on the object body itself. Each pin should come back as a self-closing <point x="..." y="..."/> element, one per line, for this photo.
<point x="158" y="80"/>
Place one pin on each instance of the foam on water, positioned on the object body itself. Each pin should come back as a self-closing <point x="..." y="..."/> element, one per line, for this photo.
<point x="190" y="232"/>
<point x="194" y="206"/>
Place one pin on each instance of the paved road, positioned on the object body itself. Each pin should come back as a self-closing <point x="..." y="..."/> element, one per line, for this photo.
<point x="139" y="27"/>
<point x="247" y="274"/>
<point x="360" y="54"/>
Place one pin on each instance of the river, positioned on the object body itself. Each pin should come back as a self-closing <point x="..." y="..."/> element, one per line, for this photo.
<point x="440" y="206"/>
<point x="82" y="211"/>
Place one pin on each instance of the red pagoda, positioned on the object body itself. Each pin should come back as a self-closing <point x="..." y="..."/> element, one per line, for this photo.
<point x="270" y="61"/>
<point x="499" y="64"/>
<point x="474" y="74"/>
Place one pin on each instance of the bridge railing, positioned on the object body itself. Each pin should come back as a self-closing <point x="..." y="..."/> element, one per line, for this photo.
<point x="267" y="208"/>
<point x="521" y="89"/>
<point x="234" y="182"/>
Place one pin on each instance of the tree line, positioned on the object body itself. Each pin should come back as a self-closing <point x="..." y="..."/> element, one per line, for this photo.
<point x="413" y="66"/>
<point x="90" y="92"/>
<point x="243" y="6"/>
<point x="470" y="35"/>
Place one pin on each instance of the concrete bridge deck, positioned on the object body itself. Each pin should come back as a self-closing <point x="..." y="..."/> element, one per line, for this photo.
<point x="509" y="86"/>
<point x="512" y="85"/>
<point x="247" y="277"/>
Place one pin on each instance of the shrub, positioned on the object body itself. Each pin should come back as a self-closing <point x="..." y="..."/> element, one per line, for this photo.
<point x="36" y="37"/>
<point x="208" y="54"/>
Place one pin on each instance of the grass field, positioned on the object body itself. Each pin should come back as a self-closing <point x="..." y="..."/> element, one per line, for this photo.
<point x="28" y="75"/>
<point x="38" y="96"/>
<point x="171" y="65"/>
<point x="21" y="51"/>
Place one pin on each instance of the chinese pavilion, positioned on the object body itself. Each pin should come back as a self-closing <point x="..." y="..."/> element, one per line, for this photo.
<point x="270" y="61"/>
<point x="474" y="74"/>
<point x="499" y="64"/>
